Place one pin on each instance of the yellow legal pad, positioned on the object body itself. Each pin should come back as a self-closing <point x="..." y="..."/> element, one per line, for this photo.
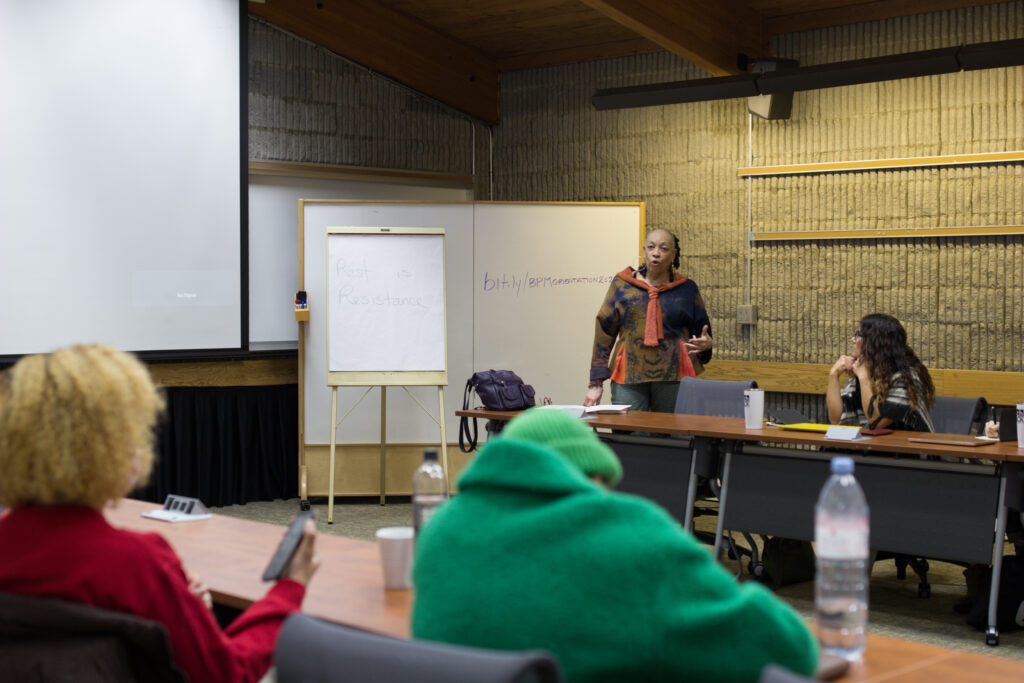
<point x="806" y="427"/>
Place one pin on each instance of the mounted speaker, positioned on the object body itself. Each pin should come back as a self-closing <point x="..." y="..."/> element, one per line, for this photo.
<point x="772" y="107"/>
<point x="775" y="106"/>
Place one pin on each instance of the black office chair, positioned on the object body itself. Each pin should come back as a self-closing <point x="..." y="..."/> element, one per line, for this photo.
<point x="951" y="415"/>
<point x="314" y="651"/>
<point x="652" y="466"/>
<point x="955" y="415"/>
<point x="714" y="398"/>
<point x="45" y="639"/>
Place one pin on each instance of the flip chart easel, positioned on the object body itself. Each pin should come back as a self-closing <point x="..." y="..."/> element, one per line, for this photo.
<point x="386" y="322"/>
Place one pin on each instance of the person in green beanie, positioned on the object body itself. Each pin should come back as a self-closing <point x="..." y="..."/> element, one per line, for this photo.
<point x="535" y="553"/>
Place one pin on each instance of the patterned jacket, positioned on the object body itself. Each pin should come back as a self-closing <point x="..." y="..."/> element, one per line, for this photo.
<point x="623" y="315"/>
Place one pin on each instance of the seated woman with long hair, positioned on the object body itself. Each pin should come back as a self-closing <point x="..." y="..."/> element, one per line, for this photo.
<point x="76" y="434"/>
<point x="888" y="385"/>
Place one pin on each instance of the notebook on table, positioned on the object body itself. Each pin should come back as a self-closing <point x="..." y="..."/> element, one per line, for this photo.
<point x="806" y="427"/>
<point x="950" y="440"/>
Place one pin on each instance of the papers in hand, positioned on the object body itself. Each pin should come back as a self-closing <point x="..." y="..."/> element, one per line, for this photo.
<point x="583" y="411"/>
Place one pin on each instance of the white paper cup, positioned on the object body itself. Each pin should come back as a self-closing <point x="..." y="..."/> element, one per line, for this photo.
<point x="395" y="543"/>
<point x="753" y="408"/>
<point x="1020" y="425"/>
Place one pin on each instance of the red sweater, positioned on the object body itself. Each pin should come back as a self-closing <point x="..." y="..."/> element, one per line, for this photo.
<point x="72" y="553"/>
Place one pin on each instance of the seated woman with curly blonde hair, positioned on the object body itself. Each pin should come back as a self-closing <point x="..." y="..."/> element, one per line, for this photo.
<point x="76" y="434"/>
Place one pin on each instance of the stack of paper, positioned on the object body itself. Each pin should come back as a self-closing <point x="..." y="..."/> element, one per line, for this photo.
<point x="580" y="411"/>
<point x="609" y="408"/>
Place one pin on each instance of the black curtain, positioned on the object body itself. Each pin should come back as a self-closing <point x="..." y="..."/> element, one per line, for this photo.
<point x="227" y="445"/>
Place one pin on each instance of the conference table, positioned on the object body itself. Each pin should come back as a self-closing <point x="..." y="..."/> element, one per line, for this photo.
<point x="230" y="554"/>
<point x="942" y="501"/>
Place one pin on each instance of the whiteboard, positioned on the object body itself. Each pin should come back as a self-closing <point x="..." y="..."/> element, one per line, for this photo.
<point x="543" y="332"/>
<point x="273" y="226"/>
<point x="540" y="274"/>
<point x="407" y="422"/>
<point x="385" y="308"/>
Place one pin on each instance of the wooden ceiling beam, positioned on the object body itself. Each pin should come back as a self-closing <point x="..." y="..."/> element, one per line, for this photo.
<point x="396" y="45"/>
<point x="710" y="34"/>
<point x="875" y="10"/>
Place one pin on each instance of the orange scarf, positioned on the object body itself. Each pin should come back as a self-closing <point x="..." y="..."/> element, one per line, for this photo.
<point x="654" y="330"/>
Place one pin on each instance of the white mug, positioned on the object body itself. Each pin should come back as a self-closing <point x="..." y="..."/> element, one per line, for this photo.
<point x="753" y="408"/>
<point x="395" y="543"/>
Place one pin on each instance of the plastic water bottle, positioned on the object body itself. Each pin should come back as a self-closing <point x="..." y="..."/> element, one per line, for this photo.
<point x="429" y="489"/>
<point x="841" y="528"/>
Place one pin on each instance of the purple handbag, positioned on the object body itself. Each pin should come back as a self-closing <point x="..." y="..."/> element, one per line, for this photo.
<point x="498" y="390"/>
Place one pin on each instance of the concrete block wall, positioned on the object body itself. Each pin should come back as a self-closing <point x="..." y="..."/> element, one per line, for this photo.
<point x="307" y="104"/>
<point x="962" y="299"/>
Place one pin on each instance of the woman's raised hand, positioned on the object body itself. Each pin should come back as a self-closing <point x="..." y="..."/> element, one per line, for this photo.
<point x="844" y="364"/>
<point x="699" y="344"/>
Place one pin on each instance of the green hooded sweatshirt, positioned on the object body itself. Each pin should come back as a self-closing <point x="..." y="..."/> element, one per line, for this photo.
<point x="532" y="554"/>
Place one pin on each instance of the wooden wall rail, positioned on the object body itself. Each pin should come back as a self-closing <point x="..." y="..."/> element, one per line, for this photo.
<point x="1000" y="388"/>
<point x="890" y="233"/>
<point x="364" y="173"/>
<point x="236" y="373"/>
<point x="883" y="164"/>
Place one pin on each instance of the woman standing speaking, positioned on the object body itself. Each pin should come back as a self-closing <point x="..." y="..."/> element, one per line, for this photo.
<point x="663" y="331"/>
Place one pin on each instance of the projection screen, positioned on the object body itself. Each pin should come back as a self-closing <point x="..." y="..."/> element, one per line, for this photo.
<point x="122" y="211"/>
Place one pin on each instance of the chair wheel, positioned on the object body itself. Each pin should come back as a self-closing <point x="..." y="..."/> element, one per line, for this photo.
<point x="755" y="569"/>
<point x="924" y="590"/>
<point x="304" y="505"/>
<point x="992" y="637"/>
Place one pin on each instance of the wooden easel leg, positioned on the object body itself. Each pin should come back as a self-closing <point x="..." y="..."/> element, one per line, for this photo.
<point x="444" y="437"/>
<point x="383" y="438"/>
<point x="334" y="442"/>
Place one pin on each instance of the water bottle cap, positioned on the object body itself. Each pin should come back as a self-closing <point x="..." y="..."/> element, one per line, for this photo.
<point x="842" y="464"/>
<point x="430" y="454"/>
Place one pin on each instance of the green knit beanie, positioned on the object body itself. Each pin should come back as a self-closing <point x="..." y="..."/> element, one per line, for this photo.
<point x="561" y="432"/>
